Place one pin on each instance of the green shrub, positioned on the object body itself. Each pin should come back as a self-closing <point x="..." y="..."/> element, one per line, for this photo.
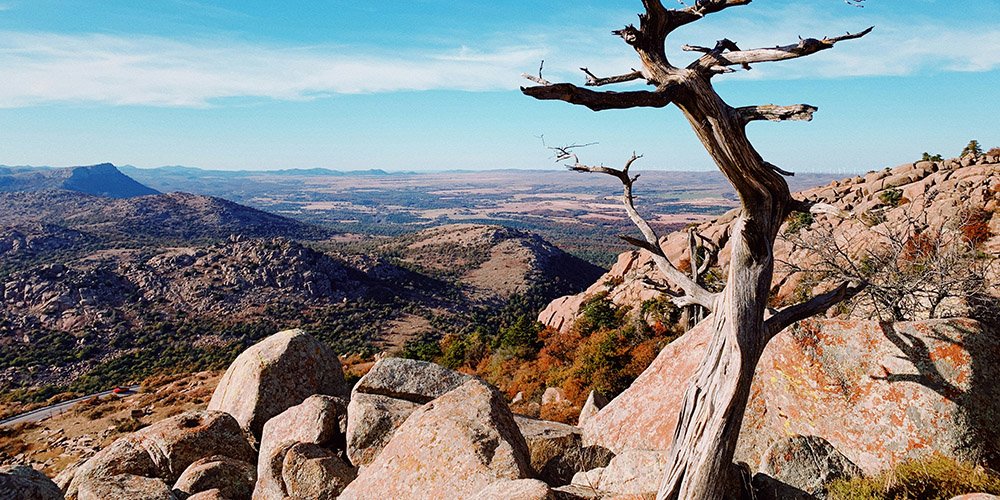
<point x="891" y="197"/>
<point x="798" y="221"/>
<point x="929" y="157"/>
<point x="598" y="313"/>
<point x="931" y="478"/>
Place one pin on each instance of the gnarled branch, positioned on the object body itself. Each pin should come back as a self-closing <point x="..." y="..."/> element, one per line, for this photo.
<point x="785" y="317"/>
<point x="596" y="81"/>
<point x="805" y="47"/>
<point x="770" y="112"/>
<point x="694" y="293"/>
<point x="599" y="101"/>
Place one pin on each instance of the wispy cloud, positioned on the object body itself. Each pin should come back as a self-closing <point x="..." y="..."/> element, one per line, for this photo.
<point x="44" y="68"/>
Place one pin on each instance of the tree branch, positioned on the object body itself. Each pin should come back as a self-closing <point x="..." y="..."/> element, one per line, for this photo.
<point x="785" y="317"/>
<point x="701" y="8"/>
<point x="695" y="293"/>
<point x="770" y="112"/>
<point x="805" y="47"/>
<point x="599" y="101"/>
<point x="596" y="81"/>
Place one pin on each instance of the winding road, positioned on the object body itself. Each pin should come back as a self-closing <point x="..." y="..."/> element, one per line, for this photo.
<point x="48" y="411"/>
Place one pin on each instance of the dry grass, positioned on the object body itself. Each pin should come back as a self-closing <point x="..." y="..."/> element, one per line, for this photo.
<point x="931" y="478"/>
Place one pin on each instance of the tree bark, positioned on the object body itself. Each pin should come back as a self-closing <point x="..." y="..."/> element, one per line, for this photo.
<point x="701" y="454"/>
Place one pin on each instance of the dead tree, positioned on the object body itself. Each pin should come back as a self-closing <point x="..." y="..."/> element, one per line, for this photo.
<point x="700" y="265"/>
<point x="708" y="426"/>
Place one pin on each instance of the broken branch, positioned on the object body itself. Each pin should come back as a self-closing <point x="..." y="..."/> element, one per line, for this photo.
<point x="599" y="101"/>
<point x="770" y="112"/>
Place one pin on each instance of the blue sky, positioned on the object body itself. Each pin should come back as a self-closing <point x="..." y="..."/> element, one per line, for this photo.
<point x="431" y="85"/>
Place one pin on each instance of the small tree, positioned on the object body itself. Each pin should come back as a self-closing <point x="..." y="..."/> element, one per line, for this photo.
<point x="972" y="149"/>
<point x="701" y="454"/>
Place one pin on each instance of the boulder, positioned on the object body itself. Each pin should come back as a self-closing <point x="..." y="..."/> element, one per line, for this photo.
<point x="382" y="399"/>
<point x="807" y="463"/>
<point x="879" y="393"/>
<point x="409" y="380"/>
<point x="319" y="420"/>
<point x="595" y="401"/>
<point x="311" y="471"/>
<point x="209" y="495"/>
<point x="277" y="373"/>
<point x="230" y="477"/>
<point x="634" y="472"/>
<point x="453" y="447"/>
<point x="516" y="489"/>
<point x="371" y="422"/>
<point x="24" y="483"/>
<point x="143" y="464"/>
<point x="556" y="450"/>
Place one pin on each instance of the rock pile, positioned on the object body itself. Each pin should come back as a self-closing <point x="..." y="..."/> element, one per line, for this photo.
<point x="281" y="426"/>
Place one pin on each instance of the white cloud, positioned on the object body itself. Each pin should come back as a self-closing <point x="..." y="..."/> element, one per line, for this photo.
<point x="43" y="68"/>
<point x="145" y="70"/>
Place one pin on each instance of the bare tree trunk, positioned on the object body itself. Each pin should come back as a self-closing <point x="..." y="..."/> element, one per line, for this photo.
<point x="708" y="428"/>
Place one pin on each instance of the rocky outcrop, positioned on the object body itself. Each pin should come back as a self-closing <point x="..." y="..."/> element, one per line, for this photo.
<point x="231" y="478"/>
<point x="383" y="399"/>
<point x="143" y="464"/>
<point x="24" y="483"/>
<point x="275" y="374"/>
<point x="879" y="393"/>
<point x="454" y="446"/>
<point x="941" y="190"/>
<point x="802" y="464"/>
<point x="319" y="421"/>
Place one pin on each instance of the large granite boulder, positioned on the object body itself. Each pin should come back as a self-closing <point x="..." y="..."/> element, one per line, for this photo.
<point x="311" y="471"/>
<point x="880" y="393"/>
<point x="409" y="380"/>
<point x="634" y="472"/>
<point x="372" y="420"/>
<point x="319" y="420"/>
<point x="383" y="399"/>
<point x="24" y="483"/>
<point x="230" y="477"/>
<point x="452" y="447"/>
<point x="278" y="372"/>
<point x="556" y="450"/>
<point x="516" y="489"/>
<point x="801" y="463"/>
<point x="143" y="464"/>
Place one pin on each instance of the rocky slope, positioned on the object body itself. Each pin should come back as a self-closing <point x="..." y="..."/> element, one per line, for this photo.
<point x="923" y="195"/>
<point x="98" y="180"/>
<point x="493" y="261"/>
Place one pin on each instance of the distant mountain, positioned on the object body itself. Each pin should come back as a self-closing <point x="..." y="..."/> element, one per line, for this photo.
<point x="98" y="180"/>
<point x="166" y="217"/>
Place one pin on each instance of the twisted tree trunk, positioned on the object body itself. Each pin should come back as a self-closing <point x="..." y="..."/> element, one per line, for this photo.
<point x="701" y="455"/>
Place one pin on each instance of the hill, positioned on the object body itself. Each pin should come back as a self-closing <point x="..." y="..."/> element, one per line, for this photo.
<point x="493" y="261"/>
<point x="154" y="219"/>
<point x="98" y="180"/>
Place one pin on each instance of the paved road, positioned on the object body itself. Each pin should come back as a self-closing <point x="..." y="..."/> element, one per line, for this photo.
<point x="48" y="411"/>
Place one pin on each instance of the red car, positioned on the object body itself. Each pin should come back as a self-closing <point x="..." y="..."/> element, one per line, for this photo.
<point x="120" y="390"/>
